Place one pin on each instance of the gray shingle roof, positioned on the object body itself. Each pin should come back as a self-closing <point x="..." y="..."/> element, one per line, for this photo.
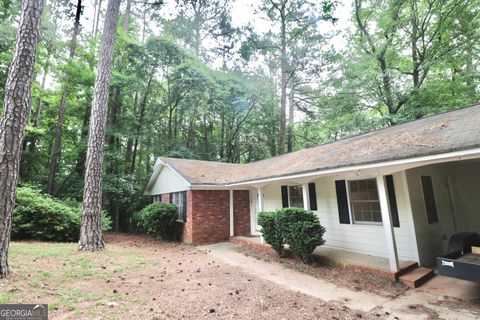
<point x="442" y="133"/>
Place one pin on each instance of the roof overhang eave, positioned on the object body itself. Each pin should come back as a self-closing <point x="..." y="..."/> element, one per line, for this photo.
<point x="463" y="154"/>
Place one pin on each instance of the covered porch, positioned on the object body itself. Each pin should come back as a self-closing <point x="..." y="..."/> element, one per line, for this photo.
<point x="394" y="234"/>
<point x="379" y="243"/>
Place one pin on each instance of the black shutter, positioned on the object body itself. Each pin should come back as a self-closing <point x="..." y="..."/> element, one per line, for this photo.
<point x="342" y="201"/>
<point x="184" y="213"/>
<point x="285" y="196"/>
<point x="312" y="195"/>
<point x="170" y="198"/>
<point x="392" y="200"/>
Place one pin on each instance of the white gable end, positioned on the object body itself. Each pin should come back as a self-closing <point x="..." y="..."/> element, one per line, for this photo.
<point x="168" y="181"/>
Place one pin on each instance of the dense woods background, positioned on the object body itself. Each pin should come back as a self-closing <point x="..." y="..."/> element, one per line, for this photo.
<point x="189" y="82"/>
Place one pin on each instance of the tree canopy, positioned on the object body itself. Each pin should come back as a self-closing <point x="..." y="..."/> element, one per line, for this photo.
<point x="201" y="79"/>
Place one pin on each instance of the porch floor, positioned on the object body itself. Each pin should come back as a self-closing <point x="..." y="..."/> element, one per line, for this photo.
<point x="359" y="261"/>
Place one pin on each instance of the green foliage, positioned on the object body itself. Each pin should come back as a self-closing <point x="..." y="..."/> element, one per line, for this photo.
<point x="270" y="232"/>
<point x="40" y="217"/>
<point x="302" y="231"/>
<point x="157" y="219"/>
<point x="203" y="90"/>
<point x="298" y="228"/>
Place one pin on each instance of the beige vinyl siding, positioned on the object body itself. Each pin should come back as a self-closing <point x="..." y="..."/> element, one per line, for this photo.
<point x="366" y="239"/>
<point x="169" y="181"/>
<point x="465" y="181"/>
<point x="432" y="238"/>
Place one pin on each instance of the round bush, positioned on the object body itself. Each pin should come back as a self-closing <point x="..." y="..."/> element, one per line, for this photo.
<point x="270" y="232"/>
<point x="157" y="219"/>
<point x="41" y="217"/>
<point x="301" y="230"/>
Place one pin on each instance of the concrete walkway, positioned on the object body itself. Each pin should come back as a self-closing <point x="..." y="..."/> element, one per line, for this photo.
<point x="397" y="308"/>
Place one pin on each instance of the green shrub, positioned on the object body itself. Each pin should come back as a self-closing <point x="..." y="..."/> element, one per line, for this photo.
<point x="157" y="219"/>
<point x="270" y="232"/>
<point x="41" y="217"/>
<point x="301" y="230"/>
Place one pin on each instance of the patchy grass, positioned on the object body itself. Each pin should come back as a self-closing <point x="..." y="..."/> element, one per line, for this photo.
<point x="139" y="277"/>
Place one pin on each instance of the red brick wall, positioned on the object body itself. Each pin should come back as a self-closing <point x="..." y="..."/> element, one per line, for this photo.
<point x="241" y="212"/>
<point x="166" y="197"/>
<point x="187" y="226"/>
<point x="211" y="216"/>
<point x="208" y="215"/>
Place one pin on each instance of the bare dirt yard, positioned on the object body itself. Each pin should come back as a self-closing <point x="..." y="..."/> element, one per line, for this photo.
<point x="138" y="277"/>
<point x="330" y="271"/>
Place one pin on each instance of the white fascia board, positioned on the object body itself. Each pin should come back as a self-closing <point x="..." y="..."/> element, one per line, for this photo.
<point x="157" y="168"/>
<point x="215" y="187"/>
<point x="413" y="162"/>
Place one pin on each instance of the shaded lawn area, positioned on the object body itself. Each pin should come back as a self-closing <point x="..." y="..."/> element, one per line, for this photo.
<point x="140" y="277"/>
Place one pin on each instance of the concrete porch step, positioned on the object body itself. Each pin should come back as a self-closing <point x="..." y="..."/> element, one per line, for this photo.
<point x="416" y="277"/>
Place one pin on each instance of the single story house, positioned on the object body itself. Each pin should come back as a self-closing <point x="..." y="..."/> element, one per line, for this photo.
<point x="398" y="193"/>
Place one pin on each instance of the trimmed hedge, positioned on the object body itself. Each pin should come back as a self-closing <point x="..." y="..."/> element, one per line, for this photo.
<point x="298" y="228"/>
<point x="40" y="217"/>
<point x="270" y="232"/>
<point x="157" y="219"/>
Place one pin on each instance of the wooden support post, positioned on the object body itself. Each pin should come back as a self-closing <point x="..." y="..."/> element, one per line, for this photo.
<point x="409" y="211"/>
<point x="261" y="201"/>
<point x="261" y="206"/>
<point x="387" y="225"/>
<point x="232" y="231"/>
<point x="306" y="198"/>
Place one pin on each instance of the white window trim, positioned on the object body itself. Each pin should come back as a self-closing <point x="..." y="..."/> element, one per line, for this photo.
<point x="171" y="202"/>
<point x="288" y="194"/>
<point x="350" y="211"/>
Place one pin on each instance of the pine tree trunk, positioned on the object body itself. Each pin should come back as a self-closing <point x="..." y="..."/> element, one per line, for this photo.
<point x="126" y="16"/>
<point x="138" y="129"/>
<point x="113" y="140"/>
<point x="128" y="151"/>
<point x="283" y="84"/>
<point x="17" y="105"/>
<point x="57" y="144"/>
<point x="91" y="237"/>
<point x="99" y="12"/>
<point x="291" y="120"/>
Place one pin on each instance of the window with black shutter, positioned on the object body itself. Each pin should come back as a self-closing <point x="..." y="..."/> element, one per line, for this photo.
<point x="180" y="200"/>
<point x="364" y="201"/>
<point x="392" y="200"/>
<point x="292" y="196"/>
<point x="342" y="202"/>
<point x="312" y="194"/>
<point x="284" y="196"/>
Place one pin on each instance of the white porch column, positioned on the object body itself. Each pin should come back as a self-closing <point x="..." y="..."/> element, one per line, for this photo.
<point x="261" y="201"/>
<point x="387" y="225"/>
<point x="232" y="231"/>
<point x="408" y="209"/>
<point x="306" y="196"/>
<point x="261" y="206"/>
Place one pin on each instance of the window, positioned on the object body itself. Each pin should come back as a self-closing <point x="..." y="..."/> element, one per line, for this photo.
<point x="295" y="196"/>
<point x="180" y="200"/>
<point x="364" y="202"/>
<point x="429" y="198"/>
<point x="157" y="198"/>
